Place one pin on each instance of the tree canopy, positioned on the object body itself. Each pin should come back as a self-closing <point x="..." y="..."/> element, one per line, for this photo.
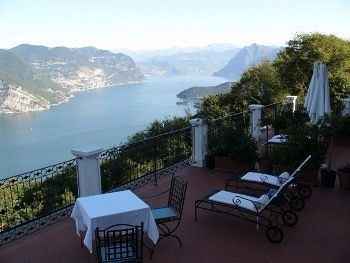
<point x="290" y="73"/>
<point x="295" y="63"/>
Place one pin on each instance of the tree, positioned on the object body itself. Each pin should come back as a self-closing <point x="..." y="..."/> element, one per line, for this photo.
<point x="159" y="127"/>
<point x="258" y="85"/>
<point x="294" y="64"/>
<point x="290" y="73"/>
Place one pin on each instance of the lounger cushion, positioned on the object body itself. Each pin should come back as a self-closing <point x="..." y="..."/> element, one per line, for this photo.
<point x="261" y="178"/>
<point x="232" y="198"/>
<point x="278" y="139"/>
<point x="283" y="177"/>
<point x="271" y="193"/>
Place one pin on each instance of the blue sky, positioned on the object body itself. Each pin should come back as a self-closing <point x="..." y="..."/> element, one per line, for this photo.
<point x="155" y="24"/>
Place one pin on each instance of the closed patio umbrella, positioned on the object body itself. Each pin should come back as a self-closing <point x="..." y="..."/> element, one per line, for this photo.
<point x="317" y="101"/>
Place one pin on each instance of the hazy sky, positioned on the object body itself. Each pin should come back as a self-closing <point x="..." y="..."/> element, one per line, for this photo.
<point x="152" y="24"/>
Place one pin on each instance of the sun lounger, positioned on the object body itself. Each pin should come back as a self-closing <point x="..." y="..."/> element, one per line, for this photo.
<point x="263" y="210"/>
<point x="275" y="181"/>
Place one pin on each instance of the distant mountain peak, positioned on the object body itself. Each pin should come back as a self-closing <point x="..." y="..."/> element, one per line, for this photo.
<point x="248" y="56"/>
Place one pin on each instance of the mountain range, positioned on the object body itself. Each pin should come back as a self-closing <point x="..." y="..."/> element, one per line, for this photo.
<point x="34" y="77"/>
<point x="245" y="58"/>
<point x="16" y="72"/>
<point x="80" y="68"/>
<point x="223" y="60"/>
<point x="184" y="61"/>
<point x="52" y="75"/>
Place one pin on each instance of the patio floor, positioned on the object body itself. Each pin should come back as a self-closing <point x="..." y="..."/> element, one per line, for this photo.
<point x="321" y="235"/>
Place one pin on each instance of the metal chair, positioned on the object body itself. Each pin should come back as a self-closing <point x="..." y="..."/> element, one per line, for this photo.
<point x="119" y="243"/>
<point x="172" y="213"/>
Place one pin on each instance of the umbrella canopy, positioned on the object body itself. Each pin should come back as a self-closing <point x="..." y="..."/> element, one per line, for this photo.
<point x="317" y="101"/>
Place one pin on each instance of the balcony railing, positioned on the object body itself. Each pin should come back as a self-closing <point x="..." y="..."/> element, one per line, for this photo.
<point x="36" y="194"/>
<point x="125" y="164"/>
<point x="222" y="128"/>
<point x="36" y="198"/>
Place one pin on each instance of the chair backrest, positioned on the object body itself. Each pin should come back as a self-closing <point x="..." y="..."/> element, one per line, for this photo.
<point x="119" y="243"/>
<point x="284" y="186"/>
<point x="301" y="166"/>
<point x="177" y="194"/>
<point x="278" y="192"/>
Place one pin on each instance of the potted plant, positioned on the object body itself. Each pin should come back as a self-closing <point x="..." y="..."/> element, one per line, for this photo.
<point x="344" y="177"/>
<point x="303" y="139"/>
<point x="341" y="129"/>
<point x="284" y="118"/>
<point x="232" y="148"/>
<point x="210" y="161"/>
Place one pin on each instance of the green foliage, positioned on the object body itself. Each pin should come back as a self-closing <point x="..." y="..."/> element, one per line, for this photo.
<point x="303" y="139"/>
<point x="28" y="199"/>
<point x="53" y="193"/>
<point x="290" y="73"/>
<point x="258" y="85"/>
<point x="229" y="140"/>
<point x="216" y="106"/>
<point x="335" y="125"/>
<point x="158" y="127"/>
<point x="295" y="63"/>
<point x="341" y="126"/>
<point x="160" y="145"/>
<point x="284" y="118"/>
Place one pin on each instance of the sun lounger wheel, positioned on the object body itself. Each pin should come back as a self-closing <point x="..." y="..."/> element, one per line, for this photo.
<point x="305" y="191"/>
<point x="274" y="234"/>
<point x="289" y="218"/>
<point x="296" y="203"/>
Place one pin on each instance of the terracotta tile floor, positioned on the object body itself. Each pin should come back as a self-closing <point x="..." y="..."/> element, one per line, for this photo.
<point x="321" y="235"/>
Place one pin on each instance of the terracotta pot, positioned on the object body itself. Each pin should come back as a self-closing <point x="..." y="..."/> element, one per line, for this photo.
<point x="327" y="177"/>
<point x="210" y="162"/>
<point x="227" y="164"/>
<point x="343" y="141"/>
<point x="309" y="176"/>
<point x="344" y="178"/>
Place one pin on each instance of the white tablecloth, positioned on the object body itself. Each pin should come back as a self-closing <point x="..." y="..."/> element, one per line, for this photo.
<point x="105" y="210"/>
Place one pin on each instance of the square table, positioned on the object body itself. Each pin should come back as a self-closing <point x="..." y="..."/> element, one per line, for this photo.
<point x="109" y="209"/>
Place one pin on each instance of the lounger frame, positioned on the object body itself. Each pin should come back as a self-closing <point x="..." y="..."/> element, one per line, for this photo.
<point x="267" y="218"/>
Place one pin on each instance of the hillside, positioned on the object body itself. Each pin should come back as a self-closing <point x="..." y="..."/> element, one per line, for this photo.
<point x="80" y="68"/>
<point x="245" y="58"/>
<point x="35" y="77"/>
<point x="195" y="93"/>
<point x="16" y="72"/>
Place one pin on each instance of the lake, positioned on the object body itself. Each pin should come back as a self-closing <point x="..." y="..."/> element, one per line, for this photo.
<point x="96" y="118"/>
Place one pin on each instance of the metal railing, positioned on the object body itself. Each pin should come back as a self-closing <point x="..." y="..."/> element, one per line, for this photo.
<point x="276" y="117"/>
<point x="222" y="129"/>
<point x="269" y="113"/>
<point x="127" y="163"/>
<point x="33" y="195"/>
